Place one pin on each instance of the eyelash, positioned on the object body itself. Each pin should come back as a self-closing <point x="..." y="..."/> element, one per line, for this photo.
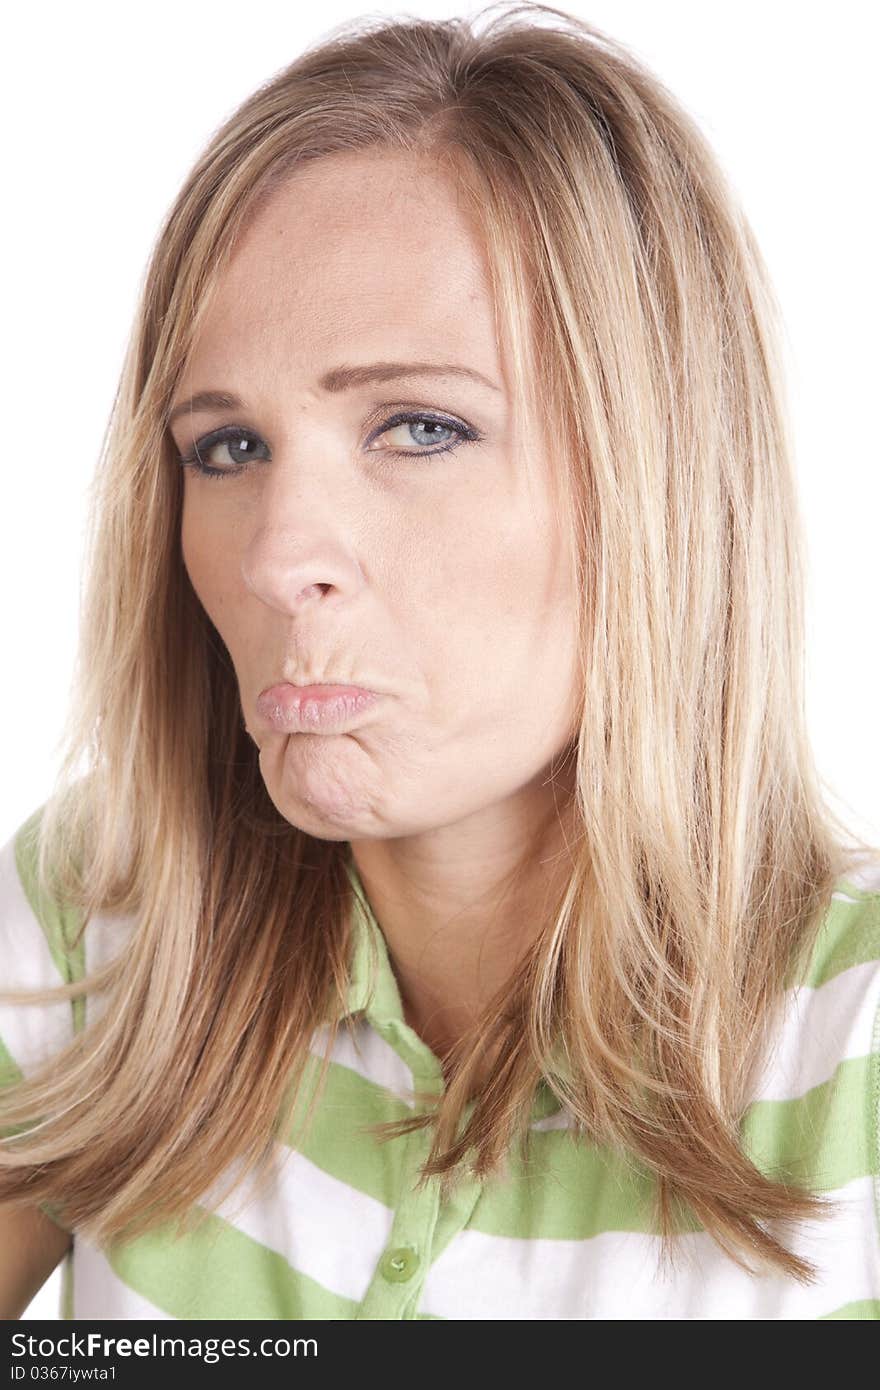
<point x="193" y="459"/>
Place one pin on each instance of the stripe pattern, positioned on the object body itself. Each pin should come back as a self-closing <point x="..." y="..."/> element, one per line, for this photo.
<point x="341" y="1231"/>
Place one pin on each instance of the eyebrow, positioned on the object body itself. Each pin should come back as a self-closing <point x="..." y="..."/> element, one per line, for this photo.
<point x="337" y="379"/>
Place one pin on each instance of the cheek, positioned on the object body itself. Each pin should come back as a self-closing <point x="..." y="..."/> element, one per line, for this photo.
<point x="495" y="571"/>
<point x="495" y="605"/>
<point x="206" y="555"/>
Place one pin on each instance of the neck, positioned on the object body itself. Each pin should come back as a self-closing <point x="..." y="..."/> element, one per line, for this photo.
<point x="460" y="906"/>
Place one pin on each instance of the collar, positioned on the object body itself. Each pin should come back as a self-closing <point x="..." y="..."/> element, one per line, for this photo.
<point x="379" y="997"/>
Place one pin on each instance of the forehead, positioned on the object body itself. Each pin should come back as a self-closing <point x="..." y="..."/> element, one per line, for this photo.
<point x="356" y="255"/>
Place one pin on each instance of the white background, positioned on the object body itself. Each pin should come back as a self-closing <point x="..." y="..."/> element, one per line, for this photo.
<point x="104" y="109"/>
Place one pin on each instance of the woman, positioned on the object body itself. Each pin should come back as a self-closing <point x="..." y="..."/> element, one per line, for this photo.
<point x="528" y="975"/>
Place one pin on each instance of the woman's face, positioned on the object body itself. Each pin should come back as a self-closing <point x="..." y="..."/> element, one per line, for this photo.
<point x="433" y="578"/>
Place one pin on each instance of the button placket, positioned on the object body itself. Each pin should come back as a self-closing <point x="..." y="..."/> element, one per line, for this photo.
<point x="400" y="1272"/>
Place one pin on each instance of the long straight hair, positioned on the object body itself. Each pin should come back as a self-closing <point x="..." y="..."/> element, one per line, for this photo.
<point x="644" y="333"/>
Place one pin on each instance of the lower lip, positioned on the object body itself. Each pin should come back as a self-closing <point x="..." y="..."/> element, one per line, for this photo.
<point x="299" y="709"/>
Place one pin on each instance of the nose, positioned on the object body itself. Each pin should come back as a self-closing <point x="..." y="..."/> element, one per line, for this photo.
<point x="301" y="549"/>
<point x="286" y="569"/>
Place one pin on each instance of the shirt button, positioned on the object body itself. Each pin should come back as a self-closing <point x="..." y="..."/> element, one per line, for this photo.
<point x="399" y="1264"/>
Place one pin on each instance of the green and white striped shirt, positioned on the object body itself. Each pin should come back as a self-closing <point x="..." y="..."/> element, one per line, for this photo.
<point x="343" y="1234"/>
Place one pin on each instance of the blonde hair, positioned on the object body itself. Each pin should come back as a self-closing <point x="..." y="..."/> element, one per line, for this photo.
<point x="642" y="330"/>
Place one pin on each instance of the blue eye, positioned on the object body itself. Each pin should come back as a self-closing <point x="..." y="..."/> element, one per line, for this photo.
<point x="242" y="443"/>
<point x="230" y="437"/>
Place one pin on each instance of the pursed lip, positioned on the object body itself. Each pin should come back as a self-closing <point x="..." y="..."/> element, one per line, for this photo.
<point x="321" y="707"/>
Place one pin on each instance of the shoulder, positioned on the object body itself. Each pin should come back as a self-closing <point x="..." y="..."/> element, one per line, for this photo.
<point x="850" y="931"/>
<point x="31" y="917"/>
<point x="36" y="952"/>
<point x="830" y="1026"/>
